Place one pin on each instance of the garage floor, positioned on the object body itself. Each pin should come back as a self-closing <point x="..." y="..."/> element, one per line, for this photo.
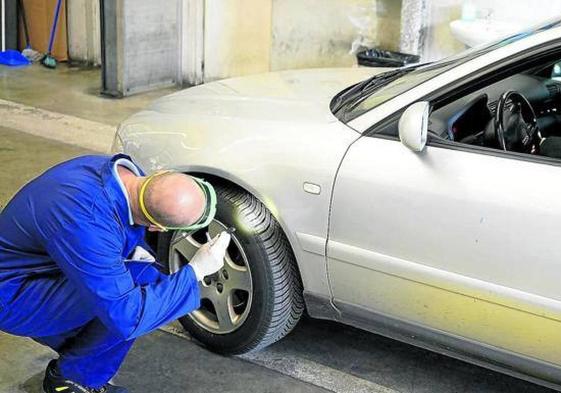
<point x="69" y="90"/>
<point x="154" y="365"/>
<point x="318" y="357"/>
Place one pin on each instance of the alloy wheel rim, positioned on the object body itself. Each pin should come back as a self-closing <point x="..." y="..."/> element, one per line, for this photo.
<point x="227" y="295"/>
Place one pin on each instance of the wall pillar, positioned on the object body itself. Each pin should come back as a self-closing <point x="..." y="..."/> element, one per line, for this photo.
<point x="191" y="33"/>
<point x="140" y="40"/>
<point x="84" y="33"/>
<point x="414" y="25"/>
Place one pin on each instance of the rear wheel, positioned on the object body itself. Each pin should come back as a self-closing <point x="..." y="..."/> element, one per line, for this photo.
<point x="256" y="298"/>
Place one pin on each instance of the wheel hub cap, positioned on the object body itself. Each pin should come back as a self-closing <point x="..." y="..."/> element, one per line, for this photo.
<point x="226" y="295"/>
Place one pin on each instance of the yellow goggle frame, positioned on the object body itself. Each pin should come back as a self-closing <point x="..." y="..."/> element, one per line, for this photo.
<point x="203" y="221"/>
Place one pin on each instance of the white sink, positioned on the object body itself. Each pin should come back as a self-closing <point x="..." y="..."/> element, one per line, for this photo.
<point x="479" y="31"/>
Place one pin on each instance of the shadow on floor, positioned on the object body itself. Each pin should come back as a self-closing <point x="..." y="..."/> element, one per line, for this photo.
<point x="393" y="364"/>
<point x="34" y="384"/>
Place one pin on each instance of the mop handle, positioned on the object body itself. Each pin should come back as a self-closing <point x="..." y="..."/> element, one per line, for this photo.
<point x="3" y="26"/>
<point x="53" y="29"/>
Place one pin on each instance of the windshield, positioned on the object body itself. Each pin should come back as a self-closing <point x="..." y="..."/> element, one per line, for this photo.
<point x="366" y="95"/>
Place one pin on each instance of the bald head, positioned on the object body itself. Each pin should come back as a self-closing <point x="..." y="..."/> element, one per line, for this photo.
<point x="174" y="199"/>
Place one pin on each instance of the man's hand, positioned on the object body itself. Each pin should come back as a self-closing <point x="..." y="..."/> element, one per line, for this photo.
<point x="140" y="254"/>
<point x="210" y="257"/>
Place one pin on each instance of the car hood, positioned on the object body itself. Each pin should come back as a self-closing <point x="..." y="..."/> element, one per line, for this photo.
<point x="298" y="95"/>
<point x="269" y="134"/>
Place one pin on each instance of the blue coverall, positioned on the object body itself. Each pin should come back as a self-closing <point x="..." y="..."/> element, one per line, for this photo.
<point x="64" y="278"/>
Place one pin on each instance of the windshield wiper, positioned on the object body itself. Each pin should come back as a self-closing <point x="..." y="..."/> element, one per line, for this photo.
<point x="383" y="79"/>
<point x="350" y="95"/>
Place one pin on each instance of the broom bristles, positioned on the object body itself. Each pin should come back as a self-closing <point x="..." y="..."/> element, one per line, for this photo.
<point x="31" y="55"/>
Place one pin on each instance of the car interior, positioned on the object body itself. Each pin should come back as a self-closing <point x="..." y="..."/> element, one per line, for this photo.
<point x="520" y="113"/>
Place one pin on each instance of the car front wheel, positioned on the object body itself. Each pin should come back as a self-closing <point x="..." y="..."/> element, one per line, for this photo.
<point x="256" y="298"/>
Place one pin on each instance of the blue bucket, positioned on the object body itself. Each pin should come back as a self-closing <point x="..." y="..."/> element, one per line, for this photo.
<point x="13" y="58"/>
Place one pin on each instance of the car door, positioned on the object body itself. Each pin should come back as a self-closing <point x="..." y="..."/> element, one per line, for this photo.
<point x="464" y="243"/>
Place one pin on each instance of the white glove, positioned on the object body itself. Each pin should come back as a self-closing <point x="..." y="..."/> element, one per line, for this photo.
<point x="140" y="254"/>
<point x="210" y="257"/>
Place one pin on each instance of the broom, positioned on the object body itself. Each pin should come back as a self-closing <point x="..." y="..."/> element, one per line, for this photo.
<point x="28" y="52"/>
<point x="48" y="60"/>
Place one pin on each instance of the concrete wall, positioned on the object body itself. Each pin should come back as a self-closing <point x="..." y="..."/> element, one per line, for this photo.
<point x="319" y="33"/>
<point x="237" y="38"/>
<point x="327" y="33"/>
<point x="251" y="36"/>
<point x="142" y="45"/>
<point x="191" y="46"/>
<point x="222" y="39"/>
<point x="439" y="41"/>
<point x="388" y="33"/>
<point x="84" y="34"/>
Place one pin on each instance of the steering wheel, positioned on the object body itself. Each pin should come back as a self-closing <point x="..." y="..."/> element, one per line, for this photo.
<point x="516" y="125"/>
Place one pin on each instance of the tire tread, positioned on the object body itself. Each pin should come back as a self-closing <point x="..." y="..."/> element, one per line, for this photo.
<point x="287" y="305"/>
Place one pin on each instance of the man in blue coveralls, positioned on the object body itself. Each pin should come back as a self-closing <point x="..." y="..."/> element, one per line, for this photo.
<point x="70" y="274"/>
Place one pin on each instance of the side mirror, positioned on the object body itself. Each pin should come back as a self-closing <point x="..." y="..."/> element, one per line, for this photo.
<point x="414" y="125"/>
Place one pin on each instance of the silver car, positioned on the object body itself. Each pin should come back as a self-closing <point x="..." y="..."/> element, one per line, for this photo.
<point x="421" y="203"/>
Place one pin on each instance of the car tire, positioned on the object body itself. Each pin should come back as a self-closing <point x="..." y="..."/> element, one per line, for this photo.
<point x="276" y="299"/>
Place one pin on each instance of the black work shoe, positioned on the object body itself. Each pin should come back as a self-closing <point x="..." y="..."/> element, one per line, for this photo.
<point x="55" y="383"/>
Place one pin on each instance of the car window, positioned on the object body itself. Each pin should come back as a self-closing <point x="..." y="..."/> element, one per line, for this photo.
<point x="467" y="111"/>
<point x="397" y="87"/>
<point x="358" y="104"/>
<point x="512" y="110"/>
<point x="556" y="72"/>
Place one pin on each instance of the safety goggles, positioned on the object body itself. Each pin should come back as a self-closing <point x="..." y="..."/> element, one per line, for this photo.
<point x="203" y="221"/>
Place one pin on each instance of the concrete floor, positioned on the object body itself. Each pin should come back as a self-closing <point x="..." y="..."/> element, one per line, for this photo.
<point x="154" y="365"/>
<point x="25" y="156"/>
<point x="317" y="354"/>
<point x="69" y="90"/>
